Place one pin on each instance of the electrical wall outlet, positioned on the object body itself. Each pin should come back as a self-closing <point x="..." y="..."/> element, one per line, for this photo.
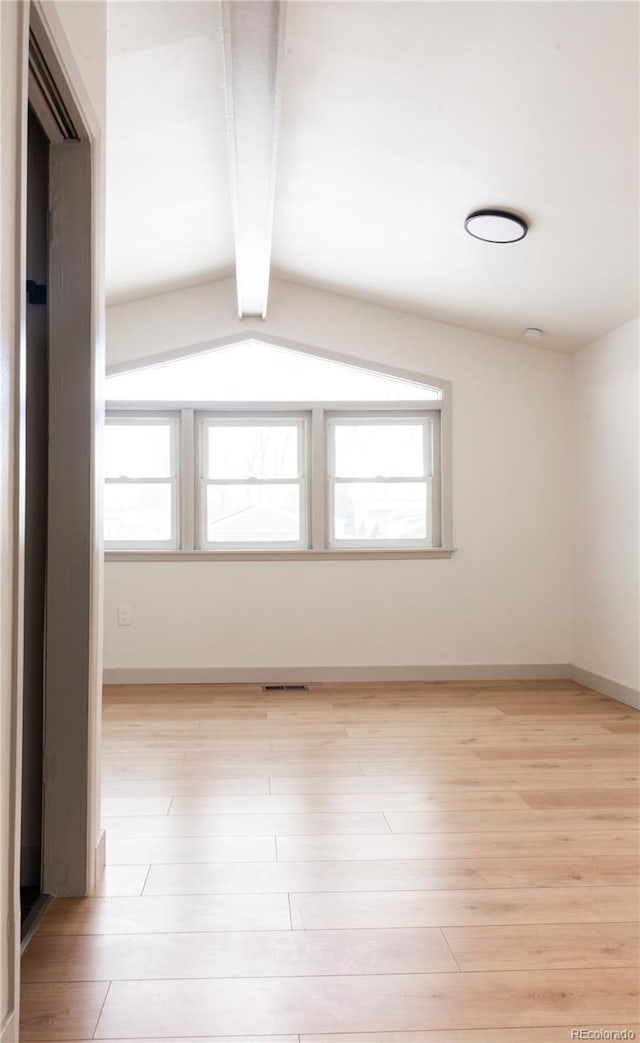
<point x="124" y="615"/>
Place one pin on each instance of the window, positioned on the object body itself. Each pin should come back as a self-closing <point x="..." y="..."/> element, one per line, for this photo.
<point x="253" y="482"/>
<point x="140" y="499"/>
<point x="255" y="371"/>
<point x="380" y="472"/>
<point x="328" y="457"/>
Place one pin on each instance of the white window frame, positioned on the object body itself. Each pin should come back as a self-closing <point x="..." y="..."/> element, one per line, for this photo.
<point x="423" y="418"/>
<point x="187" y="502"/>
<point x="141" y="418"/>
<point x="252" y="418"/>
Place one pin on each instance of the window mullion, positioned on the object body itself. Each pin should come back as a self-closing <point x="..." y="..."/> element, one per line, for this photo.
<point x="438" y="522"/>
<point x="317" y="476"/>
<point x="186" y="484"/>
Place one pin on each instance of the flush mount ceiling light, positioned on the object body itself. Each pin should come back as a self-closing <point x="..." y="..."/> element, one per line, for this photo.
<point x="496" y="226"/>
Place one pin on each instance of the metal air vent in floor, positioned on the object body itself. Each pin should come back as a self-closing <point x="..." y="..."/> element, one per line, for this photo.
<point x="285" y="688"/>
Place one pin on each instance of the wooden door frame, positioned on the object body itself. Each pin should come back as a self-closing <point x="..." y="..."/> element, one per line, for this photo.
<point x="73" y="845"/>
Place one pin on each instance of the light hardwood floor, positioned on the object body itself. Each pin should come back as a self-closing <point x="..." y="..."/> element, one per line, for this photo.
<point x="354" y="864"/>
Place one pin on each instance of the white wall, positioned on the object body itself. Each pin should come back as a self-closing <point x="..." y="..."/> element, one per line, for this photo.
<point x="502" y="599"/>
<point x="85" y="27"/>
<point x="606" y="534"/>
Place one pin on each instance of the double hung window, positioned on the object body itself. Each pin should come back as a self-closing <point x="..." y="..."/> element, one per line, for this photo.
<point x="380" y="480"/>
<point x="253" y="482"/>
<point x="141" y="482"/>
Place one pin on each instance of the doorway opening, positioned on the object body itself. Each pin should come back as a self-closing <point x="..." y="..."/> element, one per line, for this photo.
<point x="32" y="900"/>
<point x="59" y="833"/>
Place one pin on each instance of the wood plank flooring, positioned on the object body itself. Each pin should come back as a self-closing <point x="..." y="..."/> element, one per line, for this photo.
<point x="405" y="863"/>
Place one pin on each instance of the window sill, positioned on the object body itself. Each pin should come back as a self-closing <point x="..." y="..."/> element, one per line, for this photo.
<point x="278" y="555"/>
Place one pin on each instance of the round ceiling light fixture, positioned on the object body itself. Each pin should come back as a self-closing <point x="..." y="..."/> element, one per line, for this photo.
<point x="496" y="226"/>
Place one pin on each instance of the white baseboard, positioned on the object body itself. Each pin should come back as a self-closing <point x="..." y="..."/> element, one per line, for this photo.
<point x="621" y="692"/>
<point x="339" y="674"/>
<point x="336" y="674"/>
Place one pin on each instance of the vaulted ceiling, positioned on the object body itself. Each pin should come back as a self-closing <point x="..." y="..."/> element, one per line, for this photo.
<point x="391" y="122"/>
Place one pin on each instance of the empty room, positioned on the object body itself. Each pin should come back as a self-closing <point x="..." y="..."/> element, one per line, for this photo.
<point x="319" y="503"/>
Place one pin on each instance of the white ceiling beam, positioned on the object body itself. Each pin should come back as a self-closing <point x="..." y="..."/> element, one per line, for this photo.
<point x="253" y="46"/>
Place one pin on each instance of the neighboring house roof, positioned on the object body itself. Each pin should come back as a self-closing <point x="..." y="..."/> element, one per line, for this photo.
<point x="257" y="523"/>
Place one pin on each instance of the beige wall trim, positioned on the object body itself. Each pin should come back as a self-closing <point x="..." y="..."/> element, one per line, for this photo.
<point x="622" y="692"/>
<point x="279" y="342"/>
<point x="298" y="675"/>
<point x="67" y="856"/>
<point x="278" y="555"/>
<point x="309" y="674"/>
<point x="61" y="59"/>
<point x="9" y="1030"/>
<point x="16" y="23"/>
<point x="302" y="674"/>
<point x="101" y="854"/>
